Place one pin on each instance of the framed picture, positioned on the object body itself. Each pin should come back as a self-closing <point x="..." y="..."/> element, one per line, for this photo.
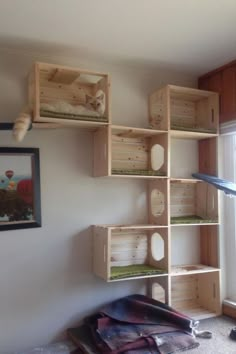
<point x="20" y="203"/>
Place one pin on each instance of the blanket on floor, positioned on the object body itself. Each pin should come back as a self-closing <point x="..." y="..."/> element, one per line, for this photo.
<point x="136" y="324"/>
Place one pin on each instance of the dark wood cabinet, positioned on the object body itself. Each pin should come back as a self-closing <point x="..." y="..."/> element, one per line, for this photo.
<point x="223" y="81"/>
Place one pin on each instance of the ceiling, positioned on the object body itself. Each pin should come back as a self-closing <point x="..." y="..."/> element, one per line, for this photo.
<point x="189" y="35"/>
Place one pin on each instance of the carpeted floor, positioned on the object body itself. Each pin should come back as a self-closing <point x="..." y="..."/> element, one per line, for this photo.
<point x="220" y="343"/>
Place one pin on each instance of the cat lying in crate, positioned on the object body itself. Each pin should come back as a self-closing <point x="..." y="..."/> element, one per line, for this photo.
<point x="94" y="106"/>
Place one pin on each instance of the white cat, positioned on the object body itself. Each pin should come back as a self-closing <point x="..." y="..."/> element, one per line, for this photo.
<point x="21" y="125"/>
<point x="94" y="106"/>
<point x="97" y="102"/>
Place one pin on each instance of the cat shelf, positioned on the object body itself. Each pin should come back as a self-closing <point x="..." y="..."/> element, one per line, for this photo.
<point x="130" y="152"/>
<point x="193" y="202"/>
<point x="68" y="96"/>
<point x="186" y="111"/>
<point x="197" y="295"/>
<point x="197" y="249"/>
<point x="130" y="252"/>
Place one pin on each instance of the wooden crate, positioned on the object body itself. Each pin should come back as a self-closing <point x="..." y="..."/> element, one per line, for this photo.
<point x="197" y="295"/>
<point x="158" y="202"/>
<point x="51" y="84"/>
<point x="198" y="249"/>
<point x="130" y="252"/>
<point x="184" y="109"/>
<point x="130" y="152"/>
<point x="190" y="156"/>
<point x="193" y="202"/>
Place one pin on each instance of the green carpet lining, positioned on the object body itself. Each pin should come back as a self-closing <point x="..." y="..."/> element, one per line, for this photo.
<point x="190" y="219"/>
<point x="116" y="171"/>
<point x="193" y="129"/>
<point x="50" y="114"/>
<point x="134" y="271"/>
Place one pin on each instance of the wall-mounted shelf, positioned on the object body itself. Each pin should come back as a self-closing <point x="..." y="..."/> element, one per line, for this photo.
<point x="181" y="209"/>
<point x="121" y="151"/>
<point x="197" y="250"/>
<point x="59" y="95"/>
<point x="189" y="155"/>
<point x="197" y="295"/>
<point x="184" y="110"/>
<point x="193" y="202"/>
<point x="130" y="252"/>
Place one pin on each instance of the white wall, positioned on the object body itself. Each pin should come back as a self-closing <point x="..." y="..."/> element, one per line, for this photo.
<point x="46" y="280"/>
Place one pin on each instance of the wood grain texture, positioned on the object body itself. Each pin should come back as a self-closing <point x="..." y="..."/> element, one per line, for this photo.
<point x="223" y="81"/>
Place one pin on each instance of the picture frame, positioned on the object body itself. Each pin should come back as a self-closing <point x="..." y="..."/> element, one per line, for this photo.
<point x="20" y="198"/>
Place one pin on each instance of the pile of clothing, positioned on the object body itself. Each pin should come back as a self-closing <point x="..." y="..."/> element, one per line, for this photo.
<point x="135" y="324"/>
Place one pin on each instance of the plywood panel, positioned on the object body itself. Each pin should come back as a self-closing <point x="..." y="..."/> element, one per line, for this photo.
<point x="159" y="289"/>
<point x="159" y="109"/>
<point x="158" y="202"/>
<point x="182" y="199"/>
<point x="209" y="292"/>
<point x="209" y="245"/>
<point x="101" y="252"/>
<point x="101" y="158"/>
<point x="208" y="154"/>
<point x="128" y="247"/>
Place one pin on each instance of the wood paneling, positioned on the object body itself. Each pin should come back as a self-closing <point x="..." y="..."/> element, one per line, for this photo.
<point x="223" y="81"/>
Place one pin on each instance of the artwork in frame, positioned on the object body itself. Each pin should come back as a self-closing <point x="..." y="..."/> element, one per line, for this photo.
<point x="20" y="203"/>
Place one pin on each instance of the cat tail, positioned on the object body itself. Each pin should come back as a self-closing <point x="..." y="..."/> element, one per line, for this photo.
<point x="21" y="125"/>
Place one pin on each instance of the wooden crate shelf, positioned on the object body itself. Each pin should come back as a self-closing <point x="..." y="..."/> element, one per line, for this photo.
<point x="182" y="210"/>
<point x="184" y="109"/>
<point x="130" y="252"/>
<point x="193" y="202"/>
<point x="131" y="152"/>
<point x="189" y="156"/>
<point x="58" y="94"/>
<point x="198" y="249"/>
<point x="197" y="295"/>
<point x="184" y="126"/>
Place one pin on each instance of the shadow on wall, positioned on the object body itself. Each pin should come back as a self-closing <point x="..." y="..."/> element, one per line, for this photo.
<point x="80" y="260"/>
<point x="13" y="85"/>
<point x="57" y="52"/>
<point x="18" y="55"/>
<point x="40" y="49"/>
<point x="15" y="69"/>
<point x="78" y="276"/>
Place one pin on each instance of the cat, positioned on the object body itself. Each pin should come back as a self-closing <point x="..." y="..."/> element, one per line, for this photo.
<point x="97" y="102"/>
<point x="21" y="125"/>
<point x="94" y="105"/>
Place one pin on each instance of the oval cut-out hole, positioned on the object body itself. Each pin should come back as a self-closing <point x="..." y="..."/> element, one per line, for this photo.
<point x="157" y="203"/>
<point x="158" y="293"/>
<point x="157" y="246"/>
<point x="157" y="157"/>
